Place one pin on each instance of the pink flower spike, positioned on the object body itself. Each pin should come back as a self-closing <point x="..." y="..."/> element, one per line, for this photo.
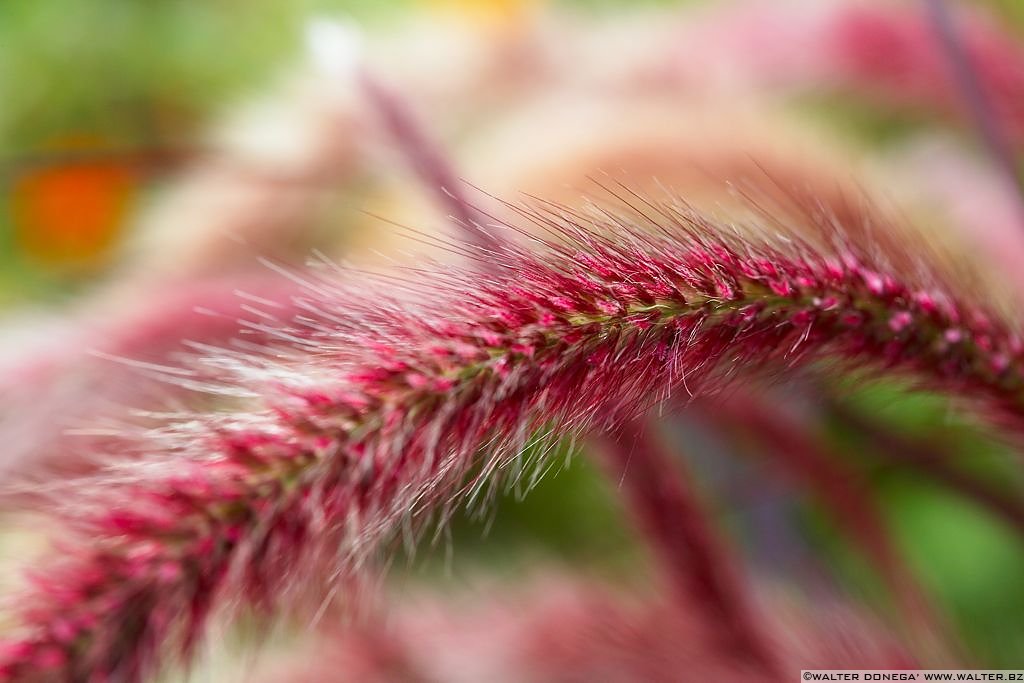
<point x="277" y="489"/>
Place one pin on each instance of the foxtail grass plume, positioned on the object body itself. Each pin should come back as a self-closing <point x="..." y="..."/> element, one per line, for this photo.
<point x="389" y="398"/>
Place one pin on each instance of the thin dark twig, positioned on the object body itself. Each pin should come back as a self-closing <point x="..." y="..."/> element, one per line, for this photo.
<point x="704" y="575"/>
<point x="966" y="77"/>
<point x="427" y="160"/>
<point x="929" y="459"/>
<point x="792" y="447"/>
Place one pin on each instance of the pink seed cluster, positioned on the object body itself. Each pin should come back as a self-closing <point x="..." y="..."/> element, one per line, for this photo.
<point x="368" y="410"/>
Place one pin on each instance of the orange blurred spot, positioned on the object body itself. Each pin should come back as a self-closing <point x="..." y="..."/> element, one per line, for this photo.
<point x="70" y="214"/>
<point x="498" y="14"/>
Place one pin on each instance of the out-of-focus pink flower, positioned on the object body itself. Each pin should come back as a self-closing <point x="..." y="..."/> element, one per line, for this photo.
<point x="61" y="400"/>
<point x="563" y="630"/>
<point x="895" y="54"/>
<point x="877" y="51"/>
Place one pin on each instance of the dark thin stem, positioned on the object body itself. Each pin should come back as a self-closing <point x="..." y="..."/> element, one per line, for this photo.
<point x="965" y="75"/>
<point x="704" y="575"/>
<point x="427" y="160"/>
<point x="839" y="490"/>
<point x="930" y="460"/>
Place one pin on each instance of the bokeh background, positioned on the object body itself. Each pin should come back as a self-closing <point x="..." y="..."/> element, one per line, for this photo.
<point x="166" y="143"/>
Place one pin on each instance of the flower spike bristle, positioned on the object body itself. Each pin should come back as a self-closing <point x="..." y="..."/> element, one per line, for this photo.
<point x="368" y="410"/>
